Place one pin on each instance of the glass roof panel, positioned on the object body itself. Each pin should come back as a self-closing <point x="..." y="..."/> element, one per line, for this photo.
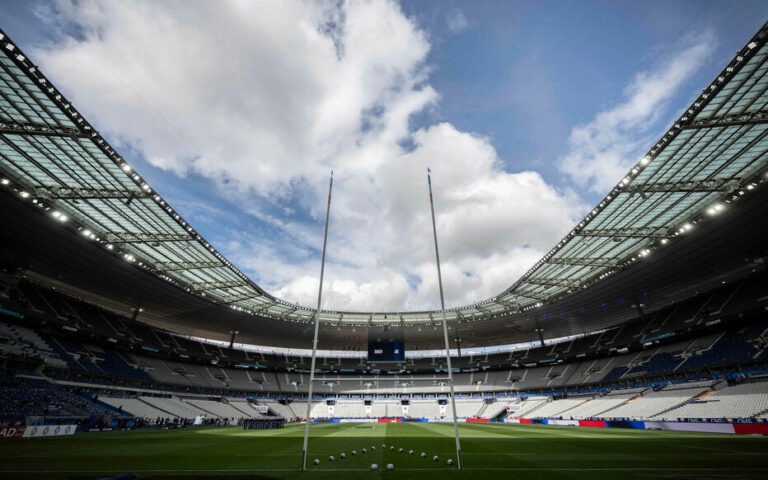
<point x="717" y="145"/>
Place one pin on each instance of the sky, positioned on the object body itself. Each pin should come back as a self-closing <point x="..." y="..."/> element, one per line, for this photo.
<point x="527" y="113"/>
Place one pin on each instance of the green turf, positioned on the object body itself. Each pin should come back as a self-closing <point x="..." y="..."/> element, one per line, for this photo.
<point x="495" y="451"/>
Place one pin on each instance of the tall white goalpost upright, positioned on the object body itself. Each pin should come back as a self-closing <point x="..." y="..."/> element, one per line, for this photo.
<point x="307" y="420"/>
<point x="445" y="326"/>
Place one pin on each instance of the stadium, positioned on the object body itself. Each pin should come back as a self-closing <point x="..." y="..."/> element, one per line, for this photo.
<point x="128" y="341"/>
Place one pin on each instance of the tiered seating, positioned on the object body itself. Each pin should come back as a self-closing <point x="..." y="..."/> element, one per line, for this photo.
<point x="660" y="360"/>
<point x="426" y="408"/>
<point x="654" y="402"/>
<point x="285" y="411"/>
<point x="733" y="346"/>
<point x="747" y="400"/>
<point x="598" y="405"/>
<point x="218" y="409"/>
<point x="379" y="408"/>
<point x="349" y="409"/>
<point x="93" y="360"/>
<point x="173" y="406"/>
<point x="23" y="398"/>
<point x="594" y="371"/>
<point x="528" y="407"/>
<point x="497" y="408"/>
<point x="24" y="335"/>
<point x="135" y="407"/>
<point x="244" y="407"/>
<point x="467" y="407"/>
<point x="559" y="408"/>
<point x="23" y="342"/>
<point x="556" y="375"/>
<point x="117" y="364"/>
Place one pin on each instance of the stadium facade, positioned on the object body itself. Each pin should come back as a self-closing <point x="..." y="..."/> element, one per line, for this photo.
<point x="661" y="288"/>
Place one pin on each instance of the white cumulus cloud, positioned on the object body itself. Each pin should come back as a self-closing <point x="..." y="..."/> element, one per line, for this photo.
<point x="603" y="150"/>
<point x="456" y="21"/>
<point x="265" y="98"/>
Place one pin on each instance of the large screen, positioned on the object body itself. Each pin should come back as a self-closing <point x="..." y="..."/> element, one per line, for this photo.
<point x="386" y="352"/>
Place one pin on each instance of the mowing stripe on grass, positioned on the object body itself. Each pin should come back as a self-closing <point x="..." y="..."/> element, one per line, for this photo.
<point x="477" y="469"/>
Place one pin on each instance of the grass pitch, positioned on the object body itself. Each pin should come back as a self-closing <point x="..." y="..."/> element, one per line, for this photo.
<point x="489" y="451"/>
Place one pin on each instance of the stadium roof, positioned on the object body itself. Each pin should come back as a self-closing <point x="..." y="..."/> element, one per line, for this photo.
<point x="715" y="151"/>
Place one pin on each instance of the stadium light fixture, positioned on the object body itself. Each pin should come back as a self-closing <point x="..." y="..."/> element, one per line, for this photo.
<point x="5" y="181"/>
<point x="59" y="216"/>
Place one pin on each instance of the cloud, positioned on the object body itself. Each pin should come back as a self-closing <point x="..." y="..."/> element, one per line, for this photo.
<point x="264" y="99"/>
<point x="456" y="21"/>
<point x="603" y="150"/>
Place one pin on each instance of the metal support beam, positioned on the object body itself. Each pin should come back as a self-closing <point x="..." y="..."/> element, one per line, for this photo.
<point x="535" y="296"/>
<point x="755" y="118"/>
<point x="176" y="266"/>
<point x="585" y="261"/>
<point x="511" y="306"/>
<point x="204" y="287"/>
<point x="628" y="232"/>
<point x="688" y="186"/>
<point x="555" y="282"/>
<point x="86" y="193"/>
<point x="245" y="296"/>
<point x="130" y="237"/>
<point x="40" y="129"/>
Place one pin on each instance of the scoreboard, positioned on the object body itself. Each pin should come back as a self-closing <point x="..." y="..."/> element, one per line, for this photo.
<point x="386" y="352"/>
